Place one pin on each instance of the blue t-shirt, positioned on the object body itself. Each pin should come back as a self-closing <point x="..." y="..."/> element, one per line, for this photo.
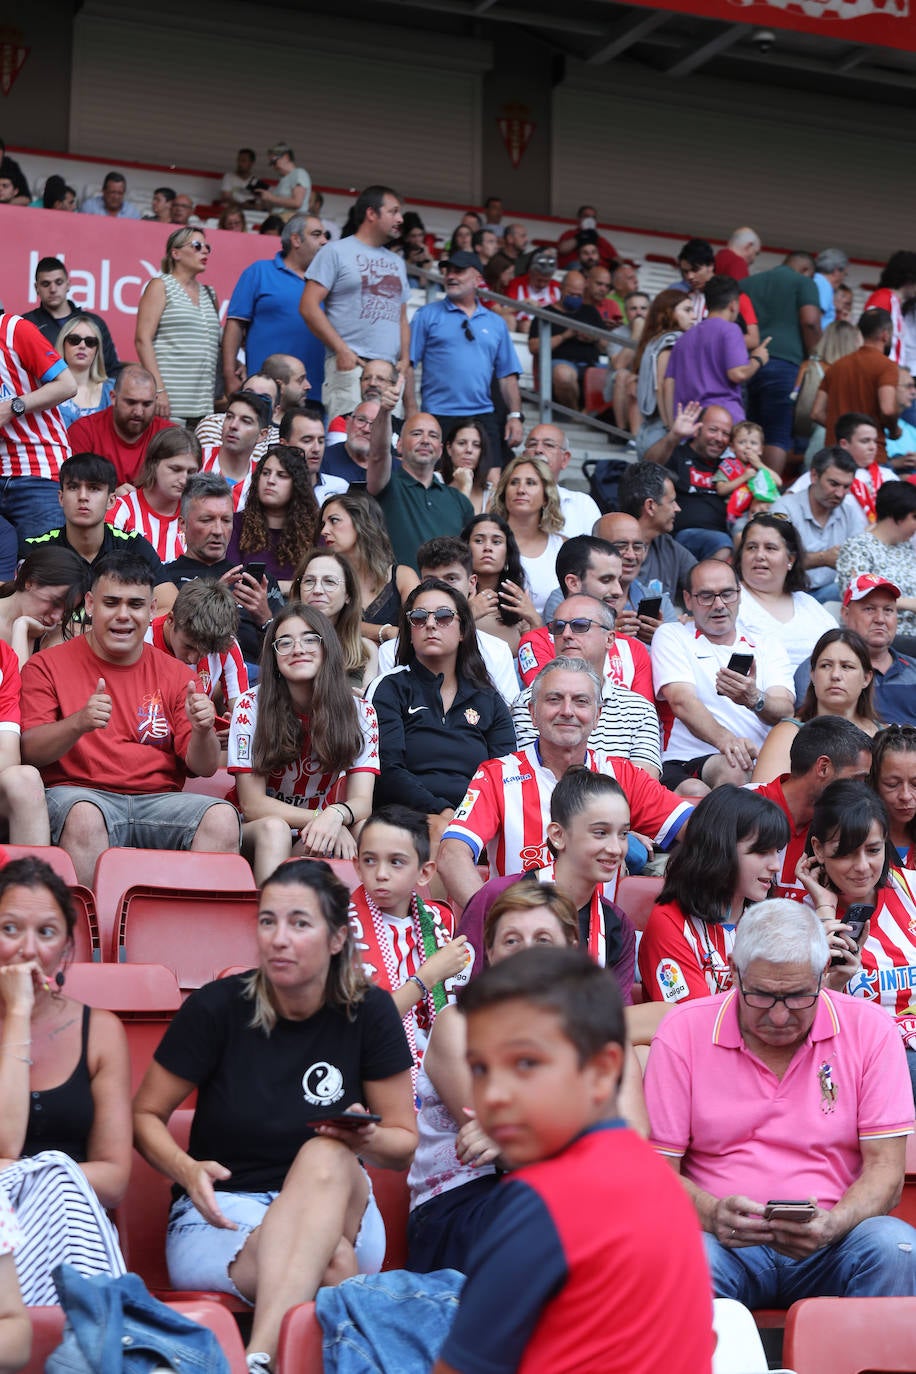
<point x="460" y="354"/>
<point x="266" y="297"/>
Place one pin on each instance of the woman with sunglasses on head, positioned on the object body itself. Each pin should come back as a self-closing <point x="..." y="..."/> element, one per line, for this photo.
<point x="439" y="715"/>
<point x="893" y="777"/>
<point x="79" y="343"/>
<point x="280" y="518"/>
<point x="352" y="525"/>
<point x="326" y="582"/>
<point x="774" y="603"/>
<point x="178" y="331"/>
<point x="296" y="740"/>
<point x="848" y="876"/>
<point x="841" y="685"/>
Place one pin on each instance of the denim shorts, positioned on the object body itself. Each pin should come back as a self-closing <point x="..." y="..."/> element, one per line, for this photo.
<point x="153" y="820"/>
<point x="198" y="1255"/>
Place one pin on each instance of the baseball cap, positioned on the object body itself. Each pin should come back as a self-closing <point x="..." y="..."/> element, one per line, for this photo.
<point x="861" y="586"/>
<point x="545" y="261"/>
<point x="462" y="259"/>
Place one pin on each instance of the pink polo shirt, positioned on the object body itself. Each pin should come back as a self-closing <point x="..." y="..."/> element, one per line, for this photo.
<point x="738" y="1129"/>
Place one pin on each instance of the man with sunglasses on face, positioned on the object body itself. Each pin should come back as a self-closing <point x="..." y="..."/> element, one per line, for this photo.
<point x="718" y="692"/>
<point x="462" y="347"/>
<point x="819" y="1108"/>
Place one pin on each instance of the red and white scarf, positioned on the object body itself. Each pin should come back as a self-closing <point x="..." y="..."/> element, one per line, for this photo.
<point x="597" y="940"/>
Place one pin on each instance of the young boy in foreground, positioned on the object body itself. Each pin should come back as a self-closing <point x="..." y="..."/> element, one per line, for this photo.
<point x="594" y="1262"/>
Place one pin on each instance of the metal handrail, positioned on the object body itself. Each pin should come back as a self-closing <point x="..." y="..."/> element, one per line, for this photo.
<point x="544" y="394"/>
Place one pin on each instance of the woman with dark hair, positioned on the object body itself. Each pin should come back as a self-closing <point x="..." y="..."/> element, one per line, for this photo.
<point x="178" y="330"/>
<point x="730" y="861"/>
<point x="465" y="462"/>
<point x="352" y="524"/>
<point x="501" y="604"/>
<point x="527" y="498"/>
<point x="413" y="246"/>
<point x="272" y="1198"/>
<point x="841" y="685"/>
<point x="278" y="524"/>
<point x="850" y="866"/>
<point x="293" y="738"/>
<point x="153" y="509"/>
<point x="774" y="603"/>
<point x="79" y="343"/>
<point x="670" y="315"/>
<point x="65" y="1138"/>
<point x="896" y="287"/>
<point x="325" y="581"/>
<point x="57" y="195"/>
<point x="498" y="273"/>
<point x="439" y="716"/>
<point x="462" y="240"/>
<point x="48" y="589"/>
<point x="893" y="777"/>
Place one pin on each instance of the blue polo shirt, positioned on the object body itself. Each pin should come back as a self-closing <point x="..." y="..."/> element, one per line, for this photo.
<point x="458" y="370"/>
<point x="266" y="297"/>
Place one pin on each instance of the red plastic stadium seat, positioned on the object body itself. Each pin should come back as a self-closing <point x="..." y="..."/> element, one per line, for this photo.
<point x="87" y="942"/>
<point x="637" y="896"/>
<point x="47" y="1329"/>
<point x="217" y="1317"/>
<point x="393" y="1198"/>
<point x="176" y="873"/>
<point x="593" y="390"/>
<point x="194" y="933"/>
<point x="299" y="1349"/>
<point x="851" y="1335"/>
<point x="219" y="785"/>
<point x="144" y="997"/>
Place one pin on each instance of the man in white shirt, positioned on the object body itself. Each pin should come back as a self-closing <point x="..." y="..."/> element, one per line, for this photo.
<point x="579" y="510"/>
<point x="449" y="559"/>
<point x="716" y="708"/>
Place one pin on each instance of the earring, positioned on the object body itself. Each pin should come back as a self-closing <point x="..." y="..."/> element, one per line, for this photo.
<point x="59" y="978"/>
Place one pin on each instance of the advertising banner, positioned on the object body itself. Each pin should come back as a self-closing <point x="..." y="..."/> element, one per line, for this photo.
<point x="885" y="23"/>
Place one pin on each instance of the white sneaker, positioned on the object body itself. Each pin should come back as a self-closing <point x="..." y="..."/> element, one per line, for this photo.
<point x="258" y="1362"/>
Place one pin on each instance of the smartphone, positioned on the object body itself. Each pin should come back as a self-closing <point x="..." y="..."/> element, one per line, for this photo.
<point x="856" y="918"/>
<point x="349" y="1121"/>
<point x="221" y="723"/>
<point x="650" y="606"/>
<point x="256" y="570"/>
<point x="789" y="1209"/>
<point x="740" y="663"/>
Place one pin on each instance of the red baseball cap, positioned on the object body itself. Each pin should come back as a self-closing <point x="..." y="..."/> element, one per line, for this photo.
<point x="864" y="584"/>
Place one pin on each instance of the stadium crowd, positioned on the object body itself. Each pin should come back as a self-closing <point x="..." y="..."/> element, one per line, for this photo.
<point x="313" y="552"/>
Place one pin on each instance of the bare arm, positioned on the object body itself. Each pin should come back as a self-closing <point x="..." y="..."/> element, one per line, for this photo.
<point x="107" y="1165"/>
<point x="15" y="1326"/>
<point x="202" y="755"/>
<point x="512" y="396"/>
<point x="378" y="467"/>
<point x="149" y="313"/>
<point x="446" y="1064"/>
<point x="233" y="338"/>
<point x="389" y="1144"/>
<point x="310" y="308"/>
<point x="809" y="322"/>
<point x="49" y="394"/>
<point x="773" y="759"/>
<point x="458" y="871"/>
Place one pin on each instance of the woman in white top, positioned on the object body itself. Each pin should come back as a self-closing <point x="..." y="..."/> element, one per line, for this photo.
<point x="771" y="567"/>
<point x="177" y="334"/>
<point x="527" y="498"/>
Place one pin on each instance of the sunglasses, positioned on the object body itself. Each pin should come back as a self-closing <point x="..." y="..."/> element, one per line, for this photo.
<point x="198" y="246"/>
<point x="579" y="626"/>
<point x="89" y="341"/>
<point x="468" y="334"/>
<point x="441" y="616"/>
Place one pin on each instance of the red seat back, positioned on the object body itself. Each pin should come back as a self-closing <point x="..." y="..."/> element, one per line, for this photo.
<point x="144" y="997"/>
<point x="851" y="1335"/>
<point x="637" y="896"/>
<point x="47" y="1329"/>
<point x="299" y="1350"/>
<point x="195" y="934"/>
<point x="393" y="1198"/>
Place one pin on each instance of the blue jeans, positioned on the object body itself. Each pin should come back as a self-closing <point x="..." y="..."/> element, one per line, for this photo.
<point x="769" y="401"/>
<point x="704" y="543"/>
<point x="31" y="504"/>
<point x="876" y="1259"/>
<point x="829" y="592"/>
<point x="9" y="550"/>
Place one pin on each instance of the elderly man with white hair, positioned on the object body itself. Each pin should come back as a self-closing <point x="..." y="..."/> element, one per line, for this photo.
<point x="738" y="257"/>
<point x="785" y="1108"/>
<point x="831" y="266"/>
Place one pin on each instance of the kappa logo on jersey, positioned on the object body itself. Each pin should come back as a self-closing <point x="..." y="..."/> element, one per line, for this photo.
<point x="671" y="981"/>
<point x="152" y="723"/>
<point x="467" y="805"/>
<point x="322" y="1084"/>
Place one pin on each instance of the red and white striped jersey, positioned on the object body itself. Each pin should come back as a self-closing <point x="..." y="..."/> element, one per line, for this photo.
<point x="226" y="670"/>
<point x="302" y="783"/>
<point x="628" y="663"/>
<point x="886" y="299"/>
<point x="787" y="885"/>
<point x="133" y="512"/>
<point x="507" y="808"/>
<point x="681" y="956"/>
<point x="240" y="489"/>
<point x="888" y="972"/>
<point x="36" y="444"/>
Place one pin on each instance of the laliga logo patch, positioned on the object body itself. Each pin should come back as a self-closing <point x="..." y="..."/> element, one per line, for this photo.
<point x="464" y="809"/>
<point x="671" y="981"/>
<point x="322" y="1084"/>
<point x="526" y="659"/>
<point x="243" y="748"/>
<point x="463" y="976"/>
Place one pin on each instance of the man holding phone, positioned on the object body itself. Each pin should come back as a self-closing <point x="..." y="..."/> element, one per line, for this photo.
<point x="718" y="693"/>
<point x="793" y="1183"/>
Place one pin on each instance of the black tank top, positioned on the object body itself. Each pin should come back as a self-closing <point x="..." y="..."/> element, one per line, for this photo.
<point x="61" y="1118"/>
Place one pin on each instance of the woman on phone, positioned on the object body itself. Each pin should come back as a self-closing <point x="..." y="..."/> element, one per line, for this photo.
<point x="893" y="777"/>
<point x="352" y="524"/>
<point x="526" y="497"/>
<point x="501" y="604"/>
<point x="279" y="521"/>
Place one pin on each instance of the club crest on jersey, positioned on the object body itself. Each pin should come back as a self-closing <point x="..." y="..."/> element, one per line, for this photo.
<point x="152" y="723"/>
<point x="471" y="716"/>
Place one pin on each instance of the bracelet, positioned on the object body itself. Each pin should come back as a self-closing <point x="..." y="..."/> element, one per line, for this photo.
<point x="349" y="808"/>
<point x="415" y="978"/>
<point x="381" y="632"/>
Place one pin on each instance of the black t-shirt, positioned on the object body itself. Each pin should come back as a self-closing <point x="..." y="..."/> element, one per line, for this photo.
<point x="113" y="541"/>
<point x="576" y="350"/>
<point x="187" y="569"/>
<point x="259" y="1095"/>
<point x="701" y="507"/>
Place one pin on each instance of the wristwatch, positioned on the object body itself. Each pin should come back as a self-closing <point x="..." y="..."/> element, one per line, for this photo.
<point x="17" y="405"/>
<point x="760" y="704"/>
<point x="515" y="415"/>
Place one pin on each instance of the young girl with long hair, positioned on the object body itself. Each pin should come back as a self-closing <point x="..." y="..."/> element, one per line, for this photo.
<point x="327" y="582"/>
<point x="154" y="508"/>
<point x="352" y="524"/>
<point x="280" y="519"/>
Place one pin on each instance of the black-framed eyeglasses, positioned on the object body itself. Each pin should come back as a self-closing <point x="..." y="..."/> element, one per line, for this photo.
<point x="442" y="615"/>
<point x="580" y="625"/>
<point x="468" y="332"/>
<point x="87" y="340"/>
<point x="765" y="1001"/>
<point x="728" y="596"/>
